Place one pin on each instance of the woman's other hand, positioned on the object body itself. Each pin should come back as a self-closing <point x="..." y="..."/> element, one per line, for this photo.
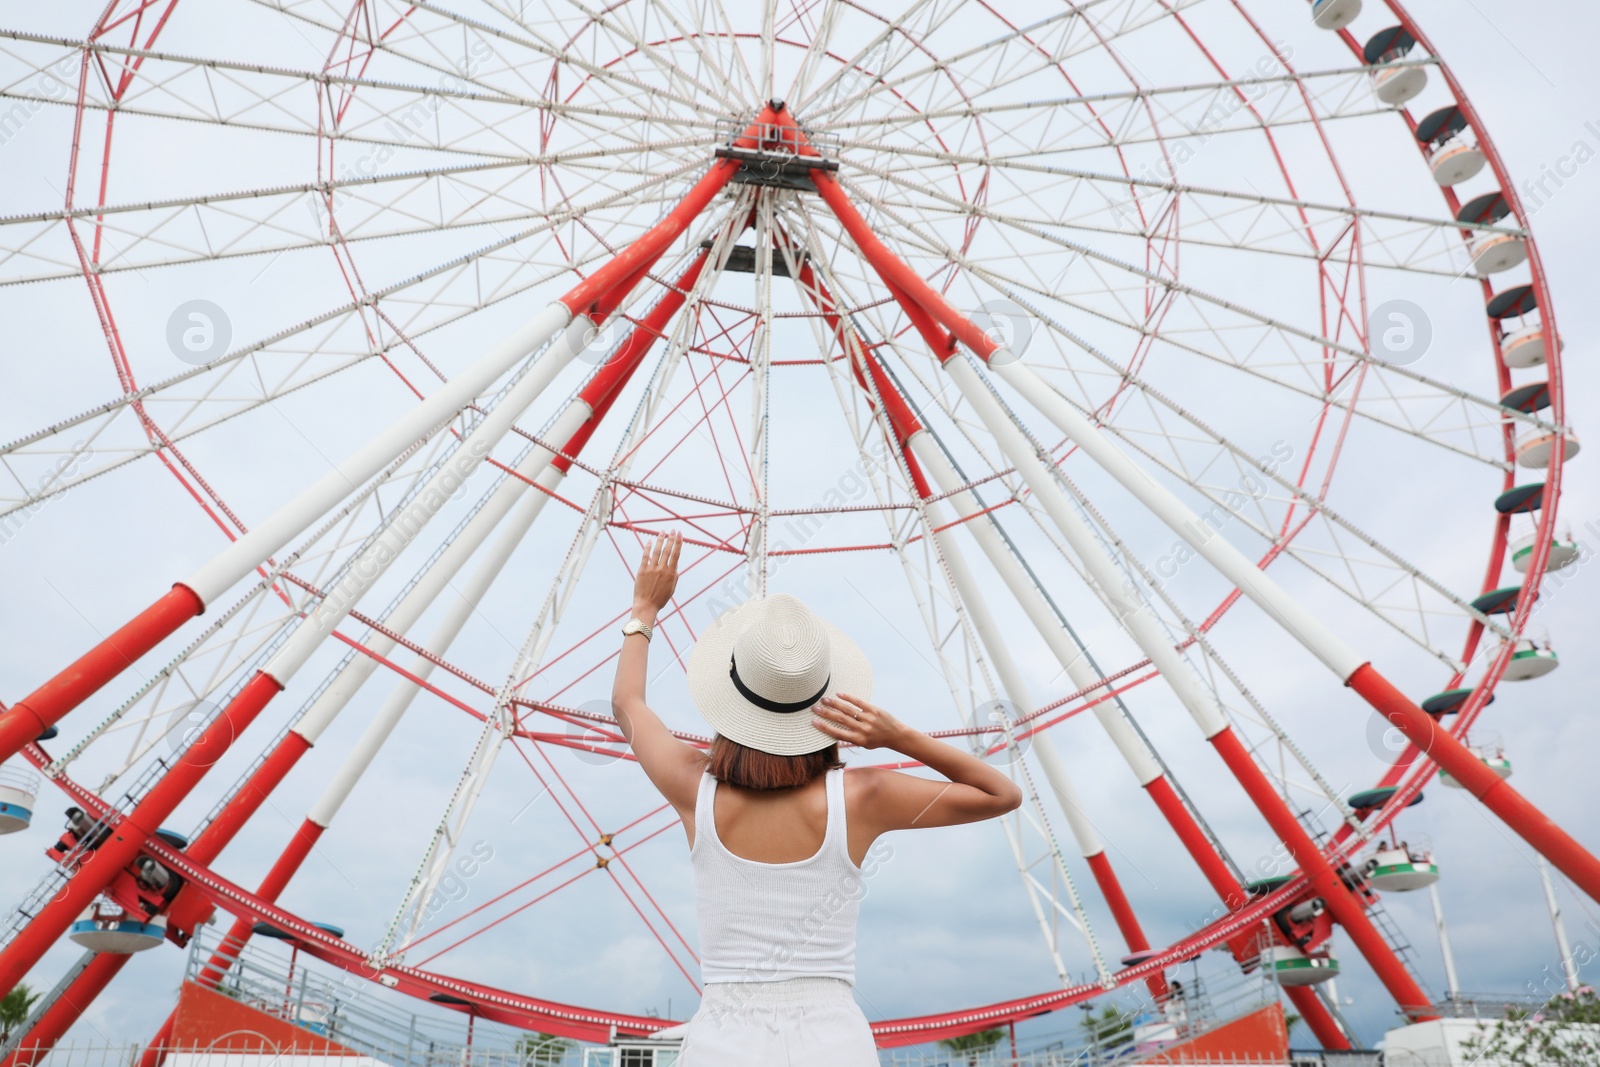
<point x="658" y="576"/>
<point x="856" y="722"/>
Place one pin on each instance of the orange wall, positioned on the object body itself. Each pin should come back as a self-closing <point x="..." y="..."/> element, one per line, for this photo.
<point x="1261" y="1035"/>
<point x="208" y="1020"/>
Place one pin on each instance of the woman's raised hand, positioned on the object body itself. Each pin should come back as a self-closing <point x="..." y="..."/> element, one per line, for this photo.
<point x="658" y="575"/>
<point x="856" y="722"/>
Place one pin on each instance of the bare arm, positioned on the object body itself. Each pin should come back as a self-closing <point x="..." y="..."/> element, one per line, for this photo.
<point x="895" y="801"/>
<point x="672" y="766"/>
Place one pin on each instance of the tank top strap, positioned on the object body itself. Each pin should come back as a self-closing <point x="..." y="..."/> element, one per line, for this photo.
<point x="704" y="808"/>
<point x="834" y="786"/>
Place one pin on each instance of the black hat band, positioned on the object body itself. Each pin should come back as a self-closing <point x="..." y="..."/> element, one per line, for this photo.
<point x="772" y="705"/>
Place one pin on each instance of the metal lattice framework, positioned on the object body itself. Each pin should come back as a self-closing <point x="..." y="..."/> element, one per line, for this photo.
<point x="1089" y="353"/>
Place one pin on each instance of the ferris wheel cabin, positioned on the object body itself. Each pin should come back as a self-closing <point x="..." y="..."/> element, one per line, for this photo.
<point x="1535" y="446"/>
<point x="1334" y="14"/>
<point x="1520" y="499"/>
<point x="1531" y="659"/>
<point x="1563" y="551"/>
<point x="1493" y="755"/>
<point x="1527" y="499"/>
<point x="1492" y="251"/>
<point x="1448" y="702"/>
<point x="19" y="789"/>
<point x="1521" y="334"/>
<point x="1400" y="869"/>
<point x="106" y="926"/>
<point x="1394" y="865"/>
<point x="1369" y="800"/>
<point x="1452" y="151"/>
<point x="1394" y="85"/>
<point x="1293" y="968"/>
<point x="1502" y="601"/>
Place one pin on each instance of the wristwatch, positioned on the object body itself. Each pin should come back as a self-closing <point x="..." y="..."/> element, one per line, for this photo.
<point x="634" y="626"/>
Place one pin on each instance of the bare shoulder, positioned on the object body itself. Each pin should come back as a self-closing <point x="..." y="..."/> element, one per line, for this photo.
<point x="866" y="783"/>
<point x="869" y="791"/>
<point x="882" y="800"/>
<point x="877" y="781"/>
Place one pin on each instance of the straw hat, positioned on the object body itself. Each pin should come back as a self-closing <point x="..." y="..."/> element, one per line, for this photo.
<point x="759" y="670"/>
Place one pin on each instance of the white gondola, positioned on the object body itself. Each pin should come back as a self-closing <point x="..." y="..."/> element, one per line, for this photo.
<point x="1451" y="146"/>
<point x="1533" y="449"/>
<point x="1515" y="310"/>
<point x="1400" y="870"/>
<point x="1394" y="85"/>
<point x="1493" y="756"/>
<point x="1531" y="659"/>
<point x="19" y="788"/>
<point x="105" y="927"/>
<point x="1563" y="551"/>
<point x="1494" y="252"/>
<point x="1456" y="160"/>
<point x="1292" y="967"/>
<point x="1524" y="347"/>
<point x="1398" y="85"/>
<point x="1334" y="14"/>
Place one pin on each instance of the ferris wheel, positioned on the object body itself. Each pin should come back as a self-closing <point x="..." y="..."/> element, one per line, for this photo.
<point x="1096" y="353"/>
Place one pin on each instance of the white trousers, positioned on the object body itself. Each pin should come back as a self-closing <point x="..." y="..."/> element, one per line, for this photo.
<point x="798" y="1022"/>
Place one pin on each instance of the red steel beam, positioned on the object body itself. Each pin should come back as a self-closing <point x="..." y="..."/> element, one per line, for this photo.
<point x="129" y="836"/>
<point x="238" y="935"/>
<point x="599" y="393"/>
<point x="1533" y="825"/>
<point x="933" y="315"/>
<point x="1316" y="1015"/>
<point x="46" y="705"/>
<point x="903" y="423"/>
<point x="1196" y="843"/>
<point x="1127" y="922"/>
<point x="589" y="297"/>
<point x="569" y="1021"/>
<point x="59" y="1017"/>
<point x="1342" y="903"/>
<point x="1182" y="821"/>
<point x="1555" y="844"/>
<point x="1311" y="1009"/>
<point x="55" y="699"/>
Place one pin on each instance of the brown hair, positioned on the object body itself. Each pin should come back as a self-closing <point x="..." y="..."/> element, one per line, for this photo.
<point x="750" y="768"/>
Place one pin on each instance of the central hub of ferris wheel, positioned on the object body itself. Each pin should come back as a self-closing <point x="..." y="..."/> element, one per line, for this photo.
<point x="784" y="155"/>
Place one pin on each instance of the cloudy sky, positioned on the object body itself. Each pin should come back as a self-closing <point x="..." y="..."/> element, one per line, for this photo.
<point x="946" y="922"/>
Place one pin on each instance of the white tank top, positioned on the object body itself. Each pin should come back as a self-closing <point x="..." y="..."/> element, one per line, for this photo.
<point x="769" y="922"/>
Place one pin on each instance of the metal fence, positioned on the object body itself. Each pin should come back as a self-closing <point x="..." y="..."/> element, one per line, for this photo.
<point x="353" y="1013"/>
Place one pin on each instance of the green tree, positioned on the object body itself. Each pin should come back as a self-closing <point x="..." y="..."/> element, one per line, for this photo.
<point x="974" y="1045"/>
<point x="1563" y="1033"/>
<point x="14" y="1009"/>
<point x="1112" y="1027"/>
<point x="542" y="1050"/>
